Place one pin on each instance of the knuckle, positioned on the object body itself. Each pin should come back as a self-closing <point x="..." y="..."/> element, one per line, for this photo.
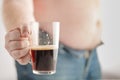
<point x="6" y="36"/>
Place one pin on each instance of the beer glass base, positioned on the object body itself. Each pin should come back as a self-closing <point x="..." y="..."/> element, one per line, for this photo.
<point x="44" y="72"/>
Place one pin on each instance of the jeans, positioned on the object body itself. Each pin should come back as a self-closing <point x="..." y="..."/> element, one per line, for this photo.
<point x="71" y="65"/>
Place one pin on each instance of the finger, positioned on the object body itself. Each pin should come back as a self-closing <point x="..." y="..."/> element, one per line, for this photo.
<point x="25" y="30"/>
<point x="6" y="47"/>
<point x="16" y="54"/>
<point x="12" y="35"/>
<point x="8" y="43"/>
<point x="15" y="45"/>
<point x="24" y="60"/>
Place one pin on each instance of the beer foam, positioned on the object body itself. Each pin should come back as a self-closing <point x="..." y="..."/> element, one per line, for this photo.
<point x="44" y="47"/>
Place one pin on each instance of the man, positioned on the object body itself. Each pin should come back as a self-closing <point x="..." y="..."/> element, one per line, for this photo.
<point x="80" y="34"/>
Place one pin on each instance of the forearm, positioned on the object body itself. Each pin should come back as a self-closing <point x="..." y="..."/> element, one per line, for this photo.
<point x="17" y="12"/>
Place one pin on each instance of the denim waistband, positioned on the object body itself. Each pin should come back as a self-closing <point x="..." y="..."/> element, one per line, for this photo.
<point x="77" y="53"/>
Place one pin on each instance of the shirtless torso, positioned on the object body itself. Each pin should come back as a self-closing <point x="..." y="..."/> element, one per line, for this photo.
<point x="80" y="23"/>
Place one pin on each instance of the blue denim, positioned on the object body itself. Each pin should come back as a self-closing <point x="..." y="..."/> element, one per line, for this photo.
<point x="71" y="65"/>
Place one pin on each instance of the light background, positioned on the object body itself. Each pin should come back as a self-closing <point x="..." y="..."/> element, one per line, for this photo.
<point x="109" y="53"/>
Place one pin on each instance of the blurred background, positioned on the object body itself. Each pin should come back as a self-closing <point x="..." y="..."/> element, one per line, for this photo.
<point x="109" y="53"/>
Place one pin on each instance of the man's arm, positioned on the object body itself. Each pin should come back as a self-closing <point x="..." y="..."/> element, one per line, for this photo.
<point x="17" y="42"/>
<point x="17" y="12"/>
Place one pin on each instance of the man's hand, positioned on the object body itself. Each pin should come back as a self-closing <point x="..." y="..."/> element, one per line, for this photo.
<point x="17" y="42"/>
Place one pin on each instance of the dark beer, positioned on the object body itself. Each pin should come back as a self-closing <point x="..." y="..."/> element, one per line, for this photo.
<point x="43" y="58"/>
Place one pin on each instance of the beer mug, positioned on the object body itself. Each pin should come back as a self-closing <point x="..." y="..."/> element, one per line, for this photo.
<point x="44" y="47"/>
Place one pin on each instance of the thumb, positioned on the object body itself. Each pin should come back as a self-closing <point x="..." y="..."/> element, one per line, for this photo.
<point x="25" y="30"/>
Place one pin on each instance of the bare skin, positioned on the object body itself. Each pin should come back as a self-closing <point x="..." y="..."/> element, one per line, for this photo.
<point x="80" y="24"/>
<point x="78" y="17"/>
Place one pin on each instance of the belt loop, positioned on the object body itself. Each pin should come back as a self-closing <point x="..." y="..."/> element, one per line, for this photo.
<point x="87" y="54"/>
